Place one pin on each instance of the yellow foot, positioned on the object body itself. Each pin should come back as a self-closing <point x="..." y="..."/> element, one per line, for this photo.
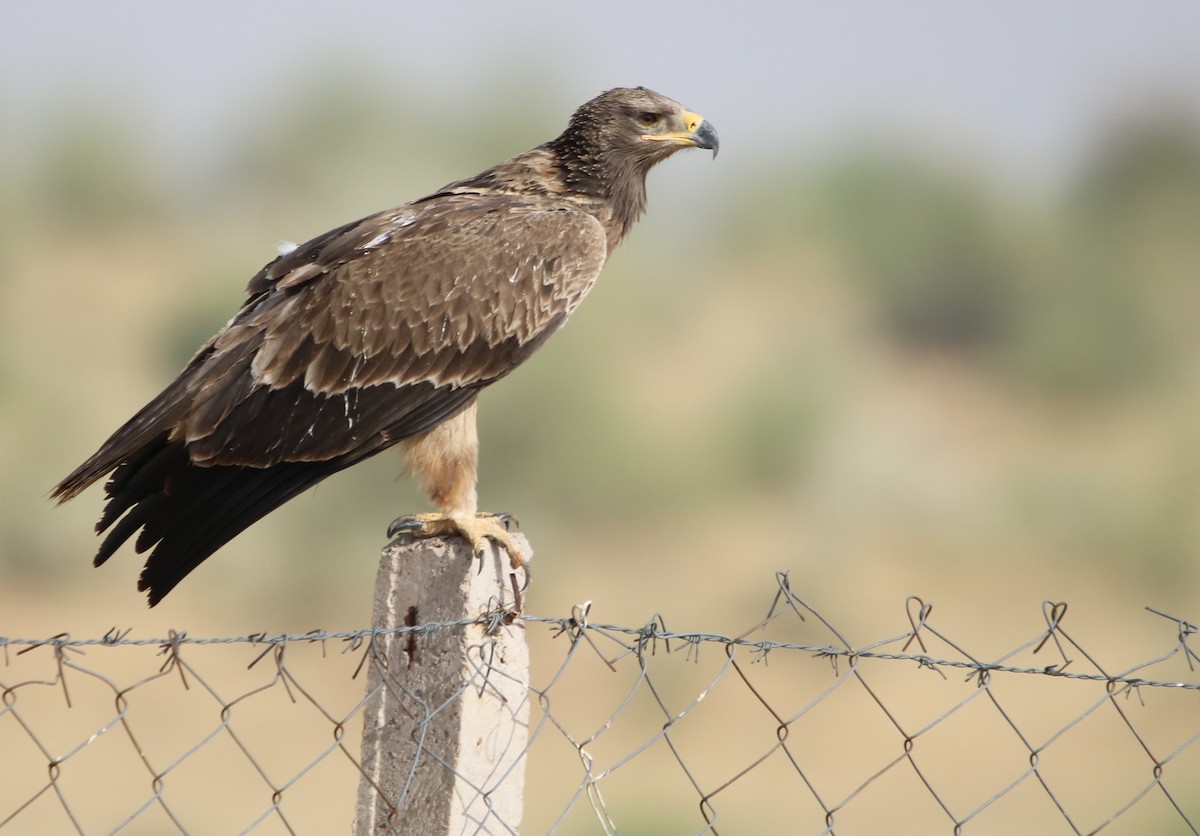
<point x="477" y="530"/>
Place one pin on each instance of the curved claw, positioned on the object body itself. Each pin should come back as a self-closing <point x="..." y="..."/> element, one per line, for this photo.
<point x="510" y="520"/>
<point x="477" y="530"/>
<point x="403" y="525"/>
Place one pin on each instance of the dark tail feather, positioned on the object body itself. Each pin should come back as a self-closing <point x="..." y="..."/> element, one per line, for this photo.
<point x="186" y="512"/>
<point x="134" y="481"/>
<point x="133" y="442"/>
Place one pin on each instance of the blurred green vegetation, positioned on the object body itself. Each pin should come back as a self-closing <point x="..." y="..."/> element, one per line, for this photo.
<point x="777" y="371"/>
<point x="930" y="243"/>
<point x="92" y="173"/>
<point x="1060" y="295"/>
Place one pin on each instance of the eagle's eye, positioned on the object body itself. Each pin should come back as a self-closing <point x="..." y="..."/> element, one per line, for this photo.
<point x="647" y="118"/>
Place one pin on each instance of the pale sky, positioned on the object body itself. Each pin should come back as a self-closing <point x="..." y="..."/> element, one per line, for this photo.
<point x="1025" y="81"/>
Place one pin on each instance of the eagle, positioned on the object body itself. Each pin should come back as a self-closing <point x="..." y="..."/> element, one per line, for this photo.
<point x="382" y="332"/>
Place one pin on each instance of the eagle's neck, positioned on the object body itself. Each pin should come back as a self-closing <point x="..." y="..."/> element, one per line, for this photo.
<point x="612" y="190"/>
<point x="613" y="193"/>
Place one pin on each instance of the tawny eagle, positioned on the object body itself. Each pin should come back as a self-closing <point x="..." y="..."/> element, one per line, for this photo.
<point x="381" y="332"/>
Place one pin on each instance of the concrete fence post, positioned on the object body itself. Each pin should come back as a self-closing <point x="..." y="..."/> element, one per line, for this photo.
<point x="446" y="722"/>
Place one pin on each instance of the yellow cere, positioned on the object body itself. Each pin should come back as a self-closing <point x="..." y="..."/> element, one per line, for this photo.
<point x="691" y="122"/>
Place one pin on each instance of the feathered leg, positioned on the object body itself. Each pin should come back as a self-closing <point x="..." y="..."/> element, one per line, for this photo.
<point x="445" y="460"/>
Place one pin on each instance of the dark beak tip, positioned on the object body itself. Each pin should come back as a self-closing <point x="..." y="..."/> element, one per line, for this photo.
<point x="706" y="137"/>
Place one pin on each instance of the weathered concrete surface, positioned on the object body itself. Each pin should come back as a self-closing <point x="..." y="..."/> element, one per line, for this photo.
<point x="446" y="725"/>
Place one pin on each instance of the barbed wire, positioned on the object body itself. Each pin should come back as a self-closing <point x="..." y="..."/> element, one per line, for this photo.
<point x="634" y="727"/>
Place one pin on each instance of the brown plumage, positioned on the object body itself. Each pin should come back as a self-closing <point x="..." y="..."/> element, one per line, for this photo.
<point x="380" y="332"/>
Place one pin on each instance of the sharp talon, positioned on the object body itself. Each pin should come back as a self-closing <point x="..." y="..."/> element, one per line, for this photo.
<point x="480" y="532"/>
<point x="509" y="520"/>
<point x="402" y="524"/>
<point x="523" y="565"/>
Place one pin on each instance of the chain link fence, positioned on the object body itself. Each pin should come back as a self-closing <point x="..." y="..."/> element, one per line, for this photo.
<point x="787" y="727"/>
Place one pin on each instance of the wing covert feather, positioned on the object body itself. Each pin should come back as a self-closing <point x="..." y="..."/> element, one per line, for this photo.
<point x="380" y="319"/>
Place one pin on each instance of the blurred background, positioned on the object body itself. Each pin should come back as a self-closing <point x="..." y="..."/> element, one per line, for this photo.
<point x="930" y="324"/>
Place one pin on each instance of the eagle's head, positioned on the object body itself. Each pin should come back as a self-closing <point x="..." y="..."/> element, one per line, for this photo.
<point x="634" y="128"/>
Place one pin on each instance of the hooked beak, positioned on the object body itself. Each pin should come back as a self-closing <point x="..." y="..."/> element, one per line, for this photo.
<point x="699" y="133"/>
<point x="703" y="135"/>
